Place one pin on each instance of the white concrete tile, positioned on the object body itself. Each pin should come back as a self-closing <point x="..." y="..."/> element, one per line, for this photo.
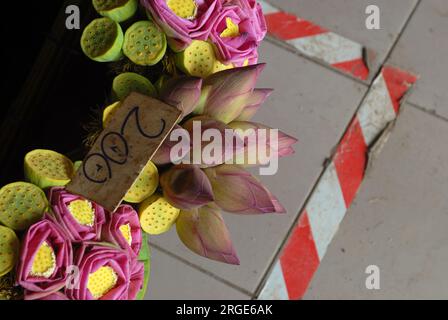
<point x="398" y="221"/>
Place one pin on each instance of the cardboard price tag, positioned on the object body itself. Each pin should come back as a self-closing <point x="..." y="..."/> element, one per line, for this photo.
<point x="134" y="134"/>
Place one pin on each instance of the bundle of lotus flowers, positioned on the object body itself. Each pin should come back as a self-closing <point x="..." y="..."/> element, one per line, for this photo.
<point x="59" y="246"/>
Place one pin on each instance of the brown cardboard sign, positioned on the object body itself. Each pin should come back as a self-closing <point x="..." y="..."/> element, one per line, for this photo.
<point x="133" y="135"/>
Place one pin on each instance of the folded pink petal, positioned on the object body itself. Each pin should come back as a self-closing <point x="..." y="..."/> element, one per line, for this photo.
<point x="204" y="232"/>
<point x="124" y="215"/>
<point x="186" y="187"/>
<point x="238" y="191"/>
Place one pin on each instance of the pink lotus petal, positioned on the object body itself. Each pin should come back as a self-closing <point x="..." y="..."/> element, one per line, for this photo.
<point x="204" y="232"/>
<point x="186" y="187"/>
<point x="237" y="191"/>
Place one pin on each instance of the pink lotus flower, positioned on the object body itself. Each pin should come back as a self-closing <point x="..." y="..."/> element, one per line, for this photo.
<point x="186" y="187"/>
<point x="45" y="255"/>
<point x="254" y="9"/>
<point x="105" y="273"/>
<point x="57" y="296"/>
<point x="123" y="229"/>
<point x="237" y="191"/>
<point x="183" y="24"/>
<point x="237" y="31"/>
<point x="81" y="219"/>
<point x="204" y="232"/>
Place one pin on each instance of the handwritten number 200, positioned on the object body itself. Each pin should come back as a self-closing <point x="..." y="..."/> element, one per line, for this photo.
<point x="115" y="149"/>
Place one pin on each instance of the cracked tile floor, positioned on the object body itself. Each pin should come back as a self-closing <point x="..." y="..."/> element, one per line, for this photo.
<point x="399" y="216"/>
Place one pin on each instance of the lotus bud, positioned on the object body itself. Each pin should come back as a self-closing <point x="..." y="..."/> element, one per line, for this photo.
<point x="216" y="147"/>
<point x="157" y="216"/>
<point x="227" y="92"/>
<point x="204" y="232"/>
<point x="183" y="93"/>
<point x="163" y="155"/>
<point x="46" y="168"/>
<point x="186" y="187"/>
<point x="253" y="103"/>
<point x="21" y="205"/>
<point x="260" y="134"/>
<point x="237" y="191"/>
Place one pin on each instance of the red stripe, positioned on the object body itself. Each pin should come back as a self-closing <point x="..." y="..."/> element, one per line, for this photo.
<point x="398" y="83"/>
<point x="350" y="161"/>
<point x="357" y="68"/>
<point x="300" y="259"/>
<point x="287" y="26"/>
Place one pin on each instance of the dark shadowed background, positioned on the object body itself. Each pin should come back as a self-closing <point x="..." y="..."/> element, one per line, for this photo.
<point x="50" y="88"/>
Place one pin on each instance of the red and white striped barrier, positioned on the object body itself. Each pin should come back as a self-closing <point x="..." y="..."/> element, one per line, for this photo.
<point x="336" y="189"/>
<point x="316" y="42"/>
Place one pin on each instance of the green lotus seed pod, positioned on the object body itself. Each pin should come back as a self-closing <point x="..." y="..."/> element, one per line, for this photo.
<point x="129" y="82"/>
<point x="144" y="43"/>
<point x="9" y="250"/>
<point x="145" y="185"/>
<point x="77" y="165"/>
<point x="102" y="40"/>
<point x="117" y="10"/>
<point x="21" y="205"/>
<point x="109" y="111"/>
<point x="46" y="169"/>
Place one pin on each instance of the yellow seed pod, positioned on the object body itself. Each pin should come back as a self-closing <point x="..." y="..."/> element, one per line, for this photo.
<point x="197" y="60"/>
<point x="21" y="205"/>
<point x="109" y="112"/>
<point x="9" y="250"/>
<point x="219" y="66"/>
<point x="44" y="263"/>
<point x="145" y="185"/>
<point x="46" y="168"/>
<point x="157" y="216"/>
<point x="102" y="281"/>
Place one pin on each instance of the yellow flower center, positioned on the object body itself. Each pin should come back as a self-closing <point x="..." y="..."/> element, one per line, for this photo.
<point x="44" y="262"/>
<point x="186" y="9"/>
<point x="126" y="232"/>
<point x="83" y="212"/>
<point x="231" y="31"/>
<point x="102" y="281"/>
